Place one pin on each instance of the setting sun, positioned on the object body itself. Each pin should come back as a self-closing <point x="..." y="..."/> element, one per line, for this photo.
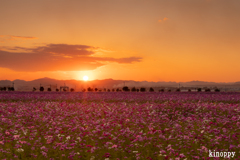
<point x="85" y="78"/>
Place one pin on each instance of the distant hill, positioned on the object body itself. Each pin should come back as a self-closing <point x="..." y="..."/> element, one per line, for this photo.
<point x="78" y="85"/>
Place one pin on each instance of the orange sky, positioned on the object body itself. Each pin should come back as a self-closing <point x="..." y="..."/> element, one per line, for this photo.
<point x="152" y="40"/>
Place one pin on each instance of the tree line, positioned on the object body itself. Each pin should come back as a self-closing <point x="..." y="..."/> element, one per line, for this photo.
<point x="125" y="89"/>
<point x="7" y="89"/>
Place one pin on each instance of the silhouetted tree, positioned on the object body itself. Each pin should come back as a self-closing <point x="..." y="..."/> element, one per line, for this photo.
<point x="169" y="90"/>
<point x="90" y="89"/>
<point x="108" y="90"/>
<point x="117" y="90"/>
<point x="137" y="90"/>
<point x="10" y="88"/>
<point x="199" y="89"/>
<point x="41" y="89"/>
<point x="142" y="89"/>
<point x="178" y="90"/>
<point x="126" y="89"/>
<point x="113" y="90"/>
<point x="72" y="89"/>
<point x="207" y="90"/>
<point x="57" y="90"/>
<point x="49" y="89"/>
<point x="133" y="89"/>
<point x="96" y="89"/>
<point x="151" y="90"/>
<point x="161" y="90"/>
<point x="217" y="90"/>
<point x="34" y="89"/>
<point x="189" y="90"/>
<point x="104" y="89"/>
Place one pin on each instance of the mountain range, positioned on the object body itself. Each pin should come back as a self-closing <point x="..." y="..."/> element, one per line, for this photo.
<point x="78" y="85"/>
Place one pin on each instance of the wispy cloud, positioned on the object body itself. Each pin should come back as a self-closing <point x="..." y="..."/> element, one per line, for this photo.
<point x="162" y="20"/>
<point x="4" y="38"/>
<point x="22" y="37"/>
<point x="56" y="57"/>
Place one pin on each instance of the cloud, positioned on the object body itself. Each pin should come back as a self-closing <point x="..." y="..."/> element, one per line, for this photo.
<point x="4" y="38"/>
<point x="22" y="37"/>
<point x="162" y="20"/>
<point x="56" y="57"/>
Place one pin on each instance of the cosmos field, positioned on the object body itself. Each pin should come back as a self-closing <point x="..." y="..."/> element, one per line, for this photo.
<point x="118" y="125"/>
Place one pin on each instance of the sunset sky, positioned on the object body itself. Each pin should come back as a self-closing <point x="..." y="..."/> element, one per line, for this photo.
<point x="152" y="40"/>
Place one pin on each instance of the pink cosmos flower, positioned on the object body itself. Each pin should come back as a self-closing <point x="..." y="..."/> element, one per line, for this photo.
<point x="205" y="149"/>
<point x="16" y="136"/>
<point x="182" y="155"/>
<point x="44" y="153"/>
<point x="93" y="149"/>
<point x="22" y="142"/>
<point x="114" y="146"/>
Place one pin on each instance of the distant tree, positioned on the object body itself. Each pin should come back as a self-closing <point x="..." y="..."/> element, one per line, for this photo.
<point x="133" y="89"/>
<point x="199" y="89"/>
<point x="64" y="89"/>
<point x="109" y="90"/>
<point x="57" y="90"/>
<point x="161" y="90"/>
<point x="0" y="88"/>
<point x="72" y="89"/>
<point x="117" y="89"/>
<point x="4" y="88"/>
<point x="178" y="90"/>
<point x="34" y="89"/>
<point x="96" y="89"/>
<point x="169" y="90"/>
<point x="126" y="89"/>
<point x="99" y="90"/>
<point x="113" y="90"/>
<point x="142" y="89"/>
<point x="217" y="90"/>
<point x="41" y="89"/>
<point x="89" y="89"/>
<point x="207" y="90"/>
<point x="10" y="89"/>
<point x="49" y="89"/>
<point x="84" y="90"/>
<point x="137" y="90"/>
<point x="189" y="90"/>
<point x="104" y="89"/>
<point x="151" y="90"/>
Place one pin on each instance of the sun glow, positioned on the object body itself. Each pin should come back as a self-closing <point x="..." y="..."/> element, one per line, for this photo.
<point x="85" y="78"/>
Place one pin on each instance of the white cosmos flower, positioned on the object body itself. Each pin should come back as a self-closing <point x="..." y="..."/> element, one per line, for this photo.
<point x="20" y="150"/>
